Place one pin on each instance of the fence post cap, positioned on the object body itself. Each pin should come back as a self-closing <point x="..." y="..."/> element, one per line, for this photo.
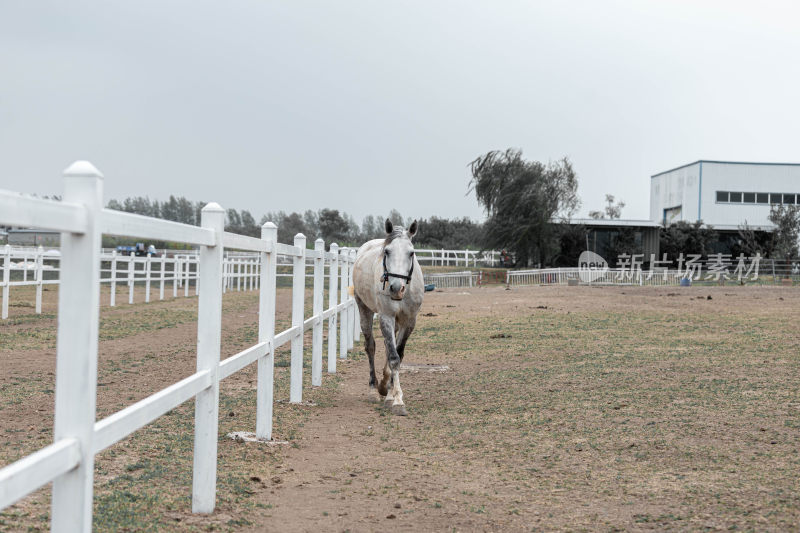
<point x="82" y="169"/>
<point x="334" y="246"/>
<point x="269" y="225"/>
<point x="212" y="207"/>
<point x="299" y="237"/>
<point x="319" y="244"/>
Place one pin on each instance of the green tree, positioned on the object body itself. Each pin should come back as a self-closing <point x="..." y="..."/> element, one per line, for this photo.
<point x="571" y="243"/>
<point x="396" y="218"/>
<point x="452" y="234"/>
<point x="687" y="238"/>
<point x="751" y="241"/>
<point x="611" y="210"/>
<point x="249" y="226"/>
<point x="233" y="221"/>
<point x="787" y="230"/>
<point x="333" y="227"/>
<point x="185" y="212"/>
<point x="522" y="199"/>
<point x="623" y="241"/>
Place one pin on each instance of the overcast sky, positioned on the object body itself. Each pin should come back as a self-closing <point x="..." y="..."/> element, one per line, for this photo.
<point x="372" y="105"/>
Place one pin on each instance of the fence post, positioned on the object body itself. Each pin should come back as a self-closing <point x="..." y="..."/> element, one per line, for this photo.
<point x="343" y="299"/>
<point x="147" y="279"/>
<point x="6" y="279"/>
<point x="225" y="275"/>
<point x="248" y="285"/>
<point x="266" y="333"/>
<point x="39" y="278"/>
<point x="188" y="278"/>
<point x="163" y="265"/>
<point x="175" y="260"/>
<point x="354" y="329"/>
<point x="298" y="299"/>
<point x="316" y="311"/>
<point x="209" y="335"/>
<point x="131" y="276"/>
<point x="113" y="298"/>
<point x="333" y="284"/>
<point x="76" y="350"/>
<point x="319" y="285"/>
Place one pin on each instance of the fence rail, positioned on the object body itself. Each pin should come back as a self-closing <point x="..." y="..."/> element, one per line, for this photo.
<point x="69" y="461"/>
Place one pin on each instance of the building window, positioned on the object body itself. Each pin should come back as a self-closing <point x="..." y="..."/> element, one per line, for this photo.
<point x="737" y="197"/>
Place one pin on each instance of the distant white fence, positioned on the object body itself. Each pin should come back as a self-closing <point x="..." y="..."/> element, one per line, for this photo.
<point x="453" y="279"/>
<point x="466" y="258"/>
<point x="612" y="276"/>
<point x="37" y="267"/>
<point x="69" y="461"/>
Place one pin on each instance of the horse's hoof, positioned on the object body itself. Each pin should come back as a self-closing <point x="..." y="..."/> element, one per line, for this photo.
<point x="387" y="402"/>
<point x="399" y="410"/>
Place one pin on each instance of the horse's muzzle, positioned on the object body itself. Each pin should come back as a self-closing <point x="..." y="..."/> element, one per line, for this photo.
<point x="397" y="294"/>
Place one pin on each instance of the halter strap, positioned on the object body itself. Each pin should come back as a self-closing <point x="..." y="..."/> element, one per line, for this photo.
<point x="387" y="274"/>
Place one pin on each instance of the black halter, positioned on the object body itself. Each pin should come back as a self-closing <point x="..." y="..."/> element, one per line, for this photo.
<point x="387" y="274"/>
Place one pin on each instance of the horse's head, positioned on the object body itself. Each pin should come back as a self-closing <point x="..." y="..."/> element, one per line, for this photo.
<point x="398" y="258"/>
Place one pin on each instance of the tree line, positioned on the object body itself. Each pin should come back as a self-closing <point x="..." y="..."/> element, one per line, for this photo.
<point x="331" y="225"/>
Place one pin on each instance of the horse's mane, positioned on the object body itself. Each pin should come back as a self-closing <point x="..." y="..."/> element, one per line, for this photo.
<point x="398" y="231"/>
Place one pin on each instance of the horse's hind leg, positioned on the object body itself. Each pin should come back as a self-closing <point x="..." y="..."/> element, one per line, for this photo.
<point x="402" y="337"/>
<point x="366" y="315"/>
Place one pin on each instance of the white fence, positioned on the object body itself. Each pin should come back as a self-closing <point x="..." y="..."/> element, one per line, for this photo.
<point x="457" y="257"/>
<point x="37" y="267"/>
<point x="453" y="279"/>
<point x="612" y="276"/>
<point x="69" y="461"/>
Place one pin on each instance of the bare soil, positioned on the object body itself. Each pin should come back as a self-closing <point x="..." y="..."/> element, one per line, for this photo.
<point x="565" y="408"/>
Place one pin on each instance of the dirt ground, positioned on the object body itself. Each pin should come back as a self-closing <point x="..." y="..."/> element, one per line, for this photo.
<point x="564" y="408"/>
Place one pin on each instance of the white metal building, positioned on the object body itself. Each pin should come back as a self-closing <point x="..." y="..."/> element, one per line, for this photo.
<point x="723" y="194"/>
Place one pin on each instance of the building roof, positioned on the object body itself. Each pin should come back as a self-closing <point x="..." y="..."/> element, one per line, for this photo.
<point x="43" y="231"/>
<point x="615" y="222"/>
<point x="735" y="227"/>
<point x="725" y="163"/>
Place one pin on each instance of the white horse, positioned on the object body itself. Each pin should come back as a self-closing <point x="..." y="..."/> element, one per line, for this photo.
<point x="388" y="281"/>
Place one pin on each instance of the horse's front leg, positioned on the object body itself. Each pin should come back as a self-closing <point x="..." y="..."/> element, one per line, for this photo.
<point x="398" y="406"/>
<point x="392" y="368"/>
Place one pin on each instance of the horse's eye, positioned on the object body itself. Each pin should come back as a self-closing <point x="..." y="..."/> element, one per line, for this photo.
<point x="412" y="254"/>
<point x="386" y="252"/>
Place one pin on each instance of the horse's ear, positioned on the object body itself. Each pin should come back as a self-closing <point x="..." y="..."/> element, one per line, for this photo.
<point x="413" y="229"/>
<point x="389" y="227"/>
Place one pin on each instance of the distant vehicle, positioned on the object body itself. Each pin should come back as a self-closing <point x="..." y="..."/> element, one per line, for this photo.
<point x="138" y="250"/>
